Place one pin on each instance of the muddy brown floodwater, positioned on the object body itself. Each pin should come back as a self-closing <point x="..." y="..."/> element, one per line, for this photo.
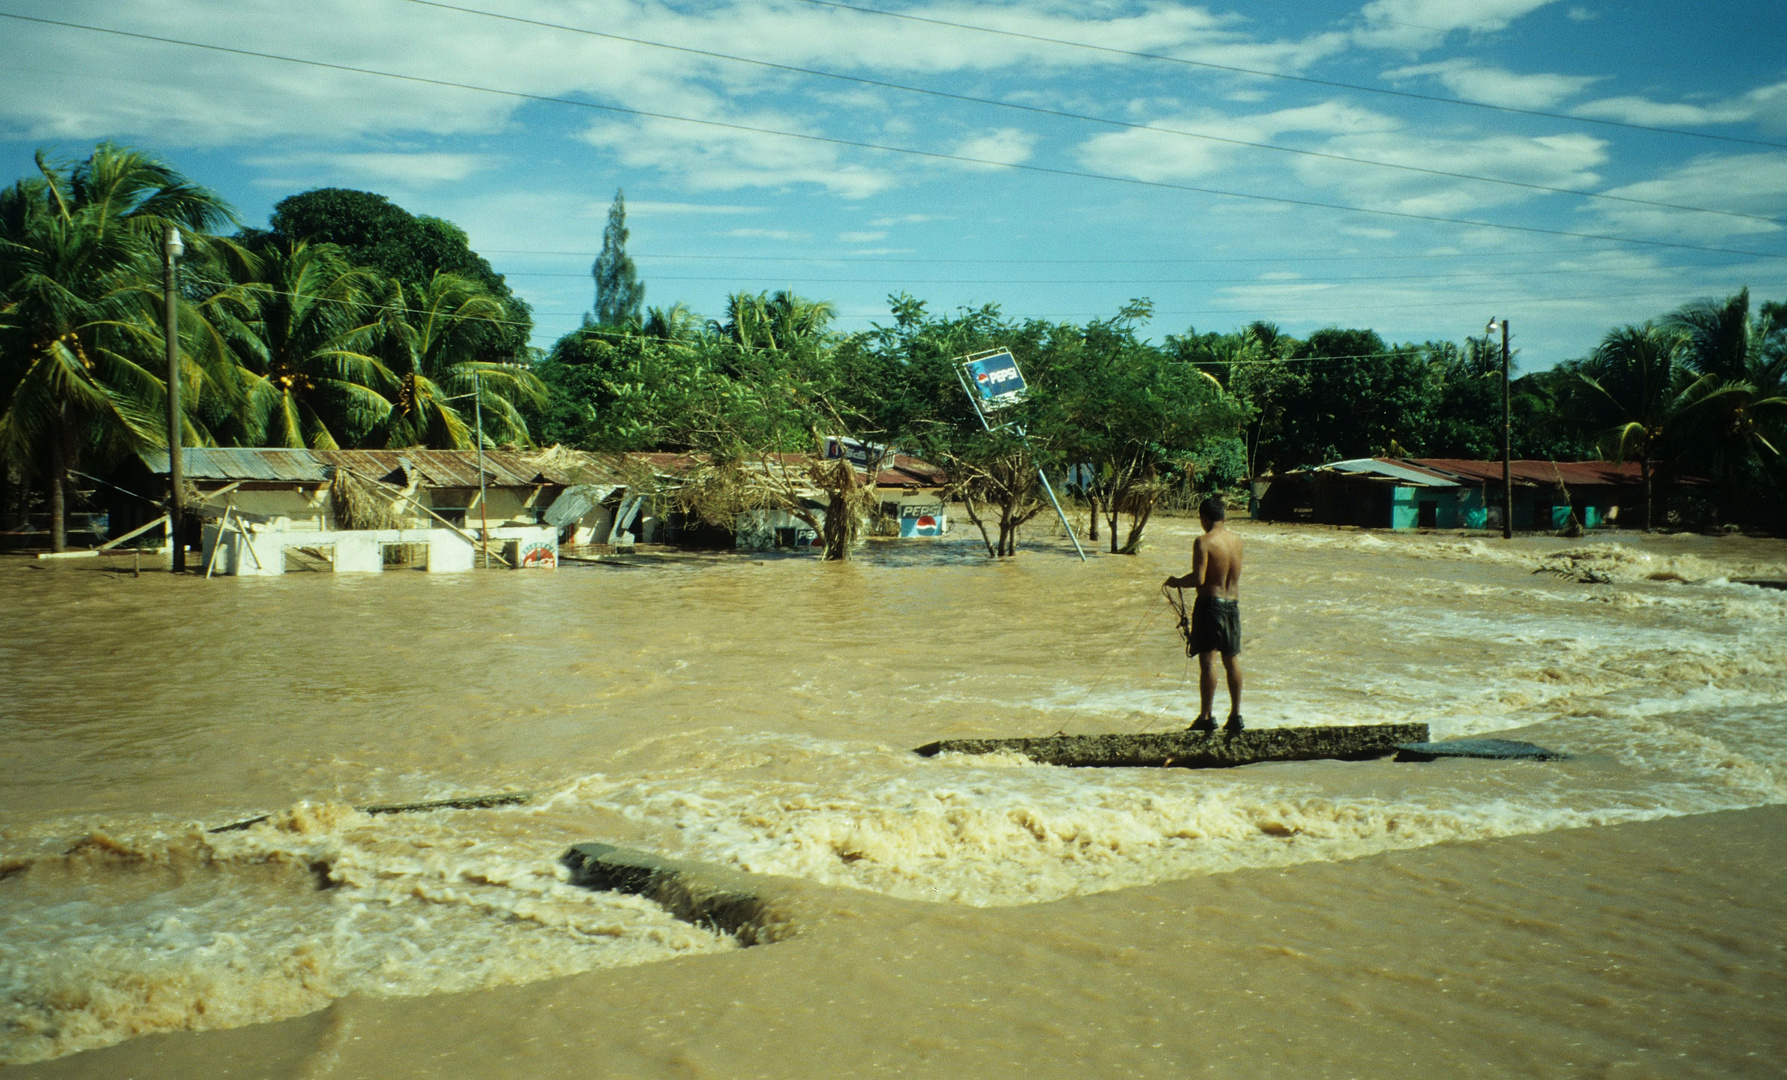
<point x="1617" y="914"/>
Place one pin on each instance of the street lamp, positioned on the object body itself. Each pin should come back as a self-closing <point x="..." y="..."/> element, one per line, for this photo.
<point x="1507" y="435"/>
<point x="171" y="250"/>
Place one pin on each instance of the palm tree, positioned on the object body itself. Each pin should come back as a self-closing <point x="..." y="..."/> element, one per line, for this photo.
<point x="430" y="347"/>
<point x="1742" y="408"/>
<point x="79" y="267"/>
<point x="300" y="322"/>
<point x="781" y="321"/>
<point x="1635" y="396"/>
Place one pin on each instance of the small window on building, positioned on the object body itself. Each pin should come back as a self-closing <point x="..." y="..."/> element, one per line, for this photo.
<point x="1427" y="515"/>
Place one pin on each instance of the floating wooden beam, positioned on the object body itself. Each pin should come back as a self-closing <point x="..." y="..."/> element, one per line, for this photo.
<point x="464" y="802"/>
<point x="1197" y="749"/>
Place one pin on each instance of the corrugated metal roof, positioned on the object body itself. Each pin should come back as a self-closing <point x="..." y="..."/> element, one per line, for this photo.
<point x="436" y="468"/>
<point x="1587" y="473"/>
<point x="1394" y="469"/>
<point x="241" y="463"/>
<point x="557" y="467"/>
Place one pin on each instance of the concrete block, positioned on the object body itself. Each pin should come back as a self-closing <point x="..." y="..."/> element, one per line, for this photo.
<point x="698" y="893"/>
<point x="1196" y="749"/>
<point x="449" y="553"/>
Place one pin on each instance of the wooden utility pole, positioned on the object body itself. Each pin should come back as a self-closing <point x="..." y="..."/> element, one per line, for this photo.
<point x="478" y="433"/>
<point x="171" y="250"/>
<point x="1507" y="438"/>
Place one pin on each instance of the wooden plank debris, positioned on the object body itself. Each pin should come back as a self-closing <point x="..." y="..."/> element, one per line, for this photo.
<point x="134" y="533"/>
<point x="463" y="802"/>
<point x="1197" y="749"/>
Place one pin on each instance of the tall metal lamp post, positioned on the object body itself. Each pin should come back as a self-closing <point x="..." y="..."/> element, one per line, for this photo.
<point x="1507" y="435"/>
<point x="171" y="250"/>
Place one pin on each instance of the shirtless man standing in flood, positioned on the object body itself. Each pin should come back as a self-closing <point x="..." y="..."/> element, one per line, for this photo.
<point x="1216" y="617"/>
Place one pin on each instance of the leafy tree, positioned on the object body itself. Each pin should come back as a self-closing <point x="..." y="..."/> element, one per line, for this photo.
<point x="303" y="325"/>
<point x="80" y="339"/>
<point x="375" y="233"/>
<point x="1634" y="398"/>
<point x="619" y="295"/>
<point x="1132" y="414"/>
<point x="431" y="346"/>
<point x="1743" y="401"/>
<point x="1465" y="410"/>
<point x="1349" y="396"/>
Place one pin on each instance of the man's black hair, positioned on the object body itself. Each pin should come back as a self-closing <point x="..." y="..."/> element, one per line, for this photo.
<point x="1211" y="509"/>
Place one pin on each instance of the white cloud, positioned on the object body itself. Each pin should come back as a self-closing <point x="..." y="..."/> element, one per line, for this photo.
<point x="861" y="237"/>
<point x="764" y="234"/>
<point x="1159" y="155"/>
<point x="1582" y="14"/>
<point x="909" y="219"/>
<point x="60" y="83"/>
<point x="1497" y="86"/>
<point x="1421" y="24"/>
<point x="415" y="169"/>
<point x="1567" y="161"/>
<point x="656" y="208"/>
<point x="1766" y="105"/>
<point x="1745" y="183"/>
<point x="720" y="159"/>
<point x="1008" y="146"/>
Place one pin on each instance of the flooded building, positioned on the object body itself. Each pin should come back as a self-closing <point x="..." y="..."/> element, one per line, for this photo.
<point x="325" y="506"/>
<point x="1453" y="493"/>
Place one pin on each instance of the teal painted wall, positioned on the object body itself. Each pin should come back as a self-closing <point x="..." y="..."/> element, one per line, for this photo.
<point x="1403" y="509"/>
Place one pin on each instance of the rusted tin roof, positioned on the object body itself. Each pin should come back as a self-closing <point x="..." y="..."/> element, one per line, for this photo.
<point x="1585" y="473"/>
<point x="245" y="463"/>
<point x="434" y="468"/>
<point x="904" y="471"/>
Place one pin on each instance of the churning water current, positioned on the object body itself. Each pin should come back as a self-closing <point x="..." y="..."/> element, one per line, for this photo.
<point x="760" y="712"/>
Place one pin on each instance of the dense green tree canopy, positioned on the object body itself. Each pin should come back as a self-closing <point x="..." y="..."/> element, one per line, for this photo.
<point x="377" y="234"/>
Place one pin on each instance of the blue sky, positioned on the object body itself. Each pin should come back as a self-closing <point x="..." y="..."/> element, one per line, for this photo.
<point x="718" y="209"/>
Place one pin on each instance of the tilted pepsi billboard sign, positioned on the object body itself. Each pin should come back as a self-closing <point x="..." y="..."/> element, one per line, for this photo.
<point x="995" y="378"/>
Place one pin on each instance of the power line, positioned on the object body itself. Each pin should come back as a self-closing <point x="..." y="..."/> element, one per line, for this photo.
<point x="1086" y="118"/>
<point x="1081" y="281"/>
<point x="1043" y="262"/>
<point x="1256" y="310"/>
<point x="932" y="155"/>
<point x="1264" y="308"/>
<point x="1438" y="98"/>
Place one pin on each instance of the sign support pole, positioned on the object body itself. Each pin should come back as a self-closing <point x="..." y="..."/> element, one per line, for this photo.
<point x="1040" y="475"/>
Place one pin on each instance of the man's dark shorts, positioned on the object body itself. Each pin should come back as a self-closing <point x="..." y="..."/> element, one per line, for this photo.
<point x="1216" y="626"/>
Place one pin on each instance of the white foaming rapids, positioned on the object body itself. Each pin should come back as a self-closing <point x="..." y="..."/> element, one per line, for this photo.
<point x="169" y="931"/>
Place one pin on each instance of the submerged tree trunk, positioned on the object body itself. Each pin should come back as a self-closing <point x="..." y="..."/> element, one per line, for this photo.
<point x="979" y="523"/>
<point x="1141" y="509"/>
<point x="1644" y="469"/>
<point x="1092" y="501"/>
<point x="840" y="514"/>
<point x="59" y="486"/>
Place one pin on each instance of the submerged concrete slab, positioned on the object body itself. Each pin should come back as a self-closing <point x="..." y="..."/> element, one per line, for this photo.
<point x="1501" y="749"/>
<point x="1197" y="749"/>
<point x="699" y="893"/>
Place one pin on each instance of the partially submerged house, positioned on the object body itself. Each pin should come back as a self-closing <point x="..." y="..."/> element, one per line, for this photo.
<point x="908" y="501"/>
<point x="324" y="505"/>
<point x="527" y="503"/>
<point x="1453" y="493"/>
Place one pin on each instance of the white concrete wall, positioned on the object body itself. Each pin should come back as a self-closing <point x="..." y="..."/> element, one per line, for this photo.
<point x="261" y="553"/>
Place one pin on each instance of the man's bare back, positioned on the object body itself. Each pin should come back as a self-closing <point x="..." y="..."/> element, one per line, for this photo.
<point x="1216" y="562"/>
<point x="1216" y="619"/>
